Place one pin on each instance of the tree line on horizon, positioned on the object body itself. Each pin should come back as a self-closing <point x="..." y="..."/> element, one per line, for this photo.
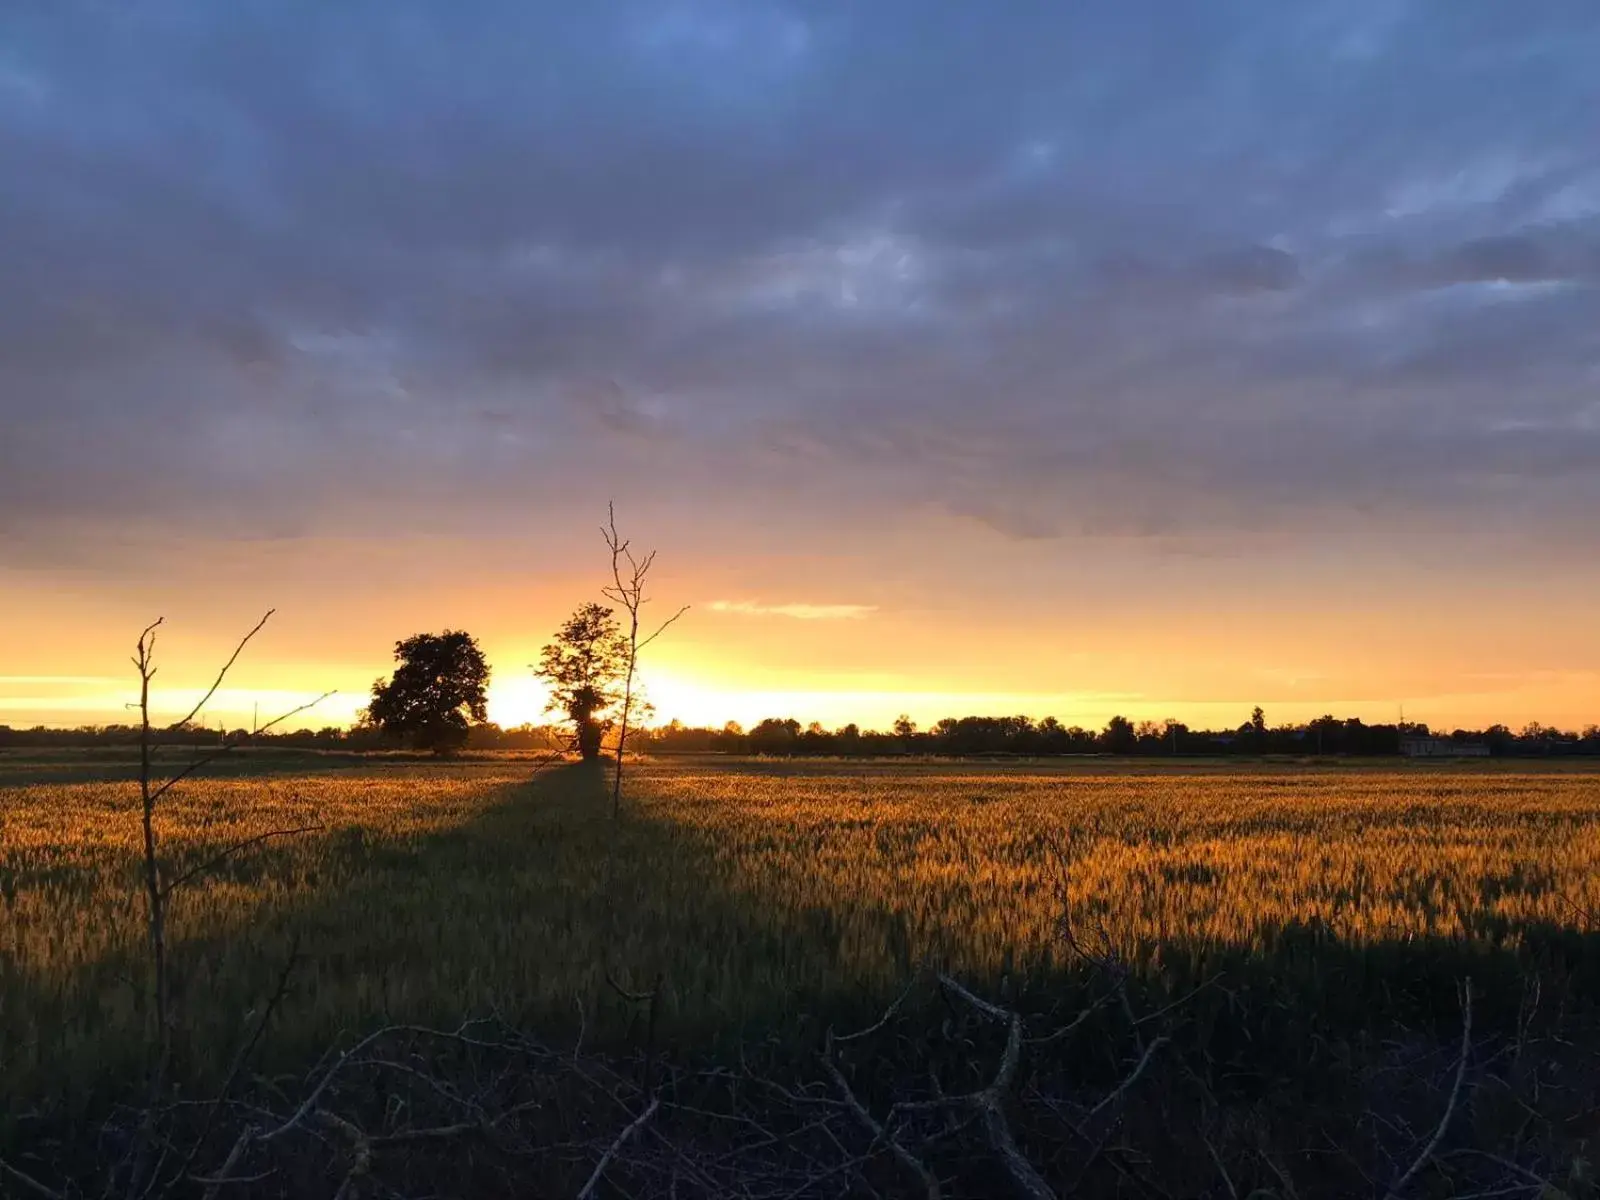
<point x="1017" y="736"/>
<point x="1026" y="737"/>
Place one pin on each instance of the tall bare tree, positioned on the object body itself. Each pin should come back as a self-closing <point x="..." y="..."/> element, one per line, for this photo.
<point x="629" y="575"/>
<point x="158" y="887"/>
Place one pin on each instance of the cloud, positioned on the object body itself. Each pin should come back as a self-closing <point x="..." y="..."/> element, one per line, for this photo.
<point x="800" y="612"/>
<point x="1098" y="267"/>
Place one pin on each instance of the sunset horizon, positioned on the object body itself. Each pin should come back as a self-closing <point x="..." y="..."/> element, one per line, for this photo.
<point x="1167" y="367"/>
<point x="688" y="677"/>
<point x="910" y="598"/>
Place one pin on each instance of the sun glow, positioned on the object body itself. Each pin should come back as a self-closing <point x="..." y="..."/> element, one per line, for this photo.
<point x="519" y="700"/>
<point x="524" y="700"/>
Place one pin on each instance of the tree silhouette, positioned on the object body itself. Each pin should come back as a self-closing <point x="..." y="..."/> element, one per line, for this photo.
<point x="585" y="667"/>
<point x="1119" y="736"/>
<point x="775" y="735"/>
<point x="437" y="691"/>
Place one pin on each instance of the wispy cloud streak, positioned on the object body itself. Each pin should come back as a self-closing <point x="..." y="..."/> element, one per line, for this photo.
<point x="800" y="612"/>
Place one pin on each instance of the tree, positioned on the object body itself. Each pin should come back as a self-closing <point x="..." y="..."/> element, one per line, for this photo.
<point x="1326" y="730"/>
<point x="436" y="694"/>
<point x="775" y="735"/>
<point x="1148" y="734"/>
<point x="629" y="573"/>
<point x="585" y="667"/>
<point x="1119" y="737"/>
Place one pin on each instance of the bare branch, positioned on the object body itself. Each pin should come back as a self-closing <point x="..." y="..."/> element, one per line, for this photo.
<point x="230" y="744"/>
<point x="988" y="1101"/>
<point x="1130" y="1079"/>
<point x="631" y="997"/>
<point x="222" y="674"/>
<point x="352" y="1057"/>
<point x="637" y="1124"/>
<point x="1178" y="1003"/>
<point x="1531" y="1177"/>
<point x="244" y="844"/>
<point x="224" y="1175"/>
<point x="22" y="1178"/>
<point x="1432" y="1147"/>
<point x="147" y="641"/>
<point x="913" y="1164"/>
<point x="310" y="1103"/>
<point x="993" y="1011"/>
<point x="888" y="1015"/>
<point x="1216" y="1159"/>
<point x="360" y="1151"/>
<point x="1283" y="1176"/>
<point x="627" y="589"/>
<point x="1072" y="1026"/>
<point x="1023" y="1173"/>
<point x="663" y="627"/>
<point x="245" y="1050"/>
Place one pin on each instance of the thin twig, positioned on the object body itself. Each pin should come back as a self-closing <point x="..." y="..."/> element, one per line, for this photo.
<point x="7" y="1171"/>
<point x="929" y="1181"/>
<point x="231" y="743"/>
<point x="1455" y="1096"/>
<point x="237" y="1067"/>
<point x="224" y="1174"/>
<point x="229" y="852"/>
<point x="1131" y="1078"/>
<point x="1071" y="1026"/>
<point x="244" y="844"/>
<point x="310" y="1103"/>
<point x="222" y="674"/>
<point x="1515" y="1168"/>
<point x="611" y="1152"/>
<point x="1283" y="1176"/>
<point x="990" y="1010"/>
<point x="631" y="997"/>
<point x="988" y="1101"/>
<point x="663" y="627"/>
<point x="1216" y="1159"/>
<point x="888" y="1015"/>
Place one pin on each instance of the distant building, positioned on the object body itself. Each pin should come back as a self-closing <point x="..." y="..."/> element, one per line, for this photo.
<point x="1437" y="747"/>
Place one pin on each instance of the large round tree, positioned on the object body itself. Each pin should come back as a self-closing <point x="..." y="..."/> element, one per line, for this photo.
<point x="437" y="691"/>
<point x="584" y="667"/>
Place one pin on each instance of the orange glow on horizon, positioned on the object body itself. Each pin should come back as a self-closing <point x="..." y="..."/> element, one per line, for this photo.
<point x="841" y="645"/>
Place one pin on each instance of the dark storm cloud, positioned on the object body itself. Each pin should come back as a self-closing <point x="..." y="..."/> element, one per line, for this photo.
<point x="1143" y="267"/>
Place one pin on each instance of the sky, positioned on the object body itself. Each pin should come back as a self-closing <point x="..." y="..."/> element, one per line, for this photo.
<point x="1143" y="357"/>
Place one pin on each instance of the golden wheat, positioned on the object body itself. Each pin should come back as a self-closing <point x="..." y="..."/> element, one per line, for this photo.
<point x="437" y="891"/>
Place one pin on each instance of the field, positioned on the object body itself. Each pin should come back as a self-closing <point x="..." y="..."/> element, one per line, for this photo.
<point x="762" y="895"/>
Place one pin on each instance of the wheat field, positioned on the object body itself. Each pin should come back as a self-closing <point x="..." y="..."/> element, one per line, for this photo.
<point x="759" y="894"/>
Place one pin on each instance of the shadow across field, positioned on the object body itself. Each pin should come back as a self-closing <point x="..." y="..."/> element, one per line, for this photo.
<point x="527" y="909"/>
